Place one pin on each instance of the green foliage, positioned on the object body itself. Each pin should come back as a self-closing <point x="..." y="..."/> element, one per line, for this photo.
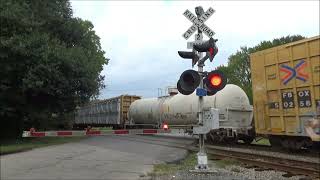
<point x="50" y="63"/>
<point x="238" y="68"/>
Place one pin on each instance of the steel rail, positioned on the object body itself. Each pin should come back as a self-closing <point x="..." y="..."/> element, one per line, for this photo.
<point x="295" y="167"/>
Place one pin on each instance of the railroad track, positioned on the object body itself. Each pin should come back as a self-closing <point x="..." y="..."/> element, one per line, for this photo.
<point x="294" y="167"/>
<point x="303" y="152"/>
<point x="257" y="147"/>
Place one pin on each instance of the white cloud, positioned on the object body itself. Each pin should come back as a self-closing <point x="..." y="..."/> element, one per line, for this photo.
<point x="142" y="38"/>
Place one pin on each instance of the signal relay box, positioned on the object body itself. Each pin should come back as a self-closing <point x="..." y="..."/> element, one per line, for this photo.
<point x="210" y="121"/>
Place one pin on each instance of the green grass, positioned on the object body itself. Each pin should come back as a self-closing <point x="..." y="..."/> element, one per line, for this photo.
<point x="13" y="146"/>
<point x="163" y="169"/>
<point x="262" y="141"/>
<point x="225" y="162"/>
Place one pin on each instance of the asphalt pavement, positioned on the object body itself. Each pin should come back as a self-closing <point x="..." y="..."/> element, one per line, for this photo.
<point x="102" y="157"/>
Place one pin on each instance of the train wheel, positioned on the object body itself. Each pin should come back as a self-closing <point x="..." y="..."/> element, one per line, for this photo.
<point x="293" y="143"/>
<point x="285" y="143"/>
<point x="212" y="137"/>
<point x="275" y="141"/>
<point x="316" y="146"/>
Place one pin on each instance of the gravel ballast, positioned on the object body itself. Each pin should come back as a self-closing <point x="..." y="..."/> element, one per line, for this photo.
<point x="231" y="172"/>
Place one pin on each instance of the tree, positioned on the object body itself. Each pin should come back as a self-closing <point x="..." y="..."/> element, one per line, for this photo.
<point x="238" y="68"/>
<point x="50" y="60"/>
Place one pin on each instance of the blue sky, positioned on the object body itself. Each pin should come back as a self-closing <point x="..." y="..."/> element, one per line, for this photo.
<point x="142" y="37"/>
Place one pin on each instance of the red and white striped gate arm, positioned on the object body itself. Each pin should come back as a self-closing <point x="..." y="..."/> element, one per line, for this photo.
<point x="90" y="132"/>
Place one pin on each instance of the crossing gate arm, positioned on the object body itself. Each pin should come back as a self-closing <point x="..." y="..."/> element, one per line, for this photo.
<point x="89" y="132"/>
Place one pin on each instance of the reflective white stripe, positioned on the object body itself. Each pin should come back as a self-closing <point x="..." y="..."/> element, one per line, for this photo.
<point x="78" y="133"/>
<point x="50" y="133"/>
<point x="164" y="131"/>
<point x="26" y="134"/>
<point x="136" y="131"/>
<point x="103" y="132"/>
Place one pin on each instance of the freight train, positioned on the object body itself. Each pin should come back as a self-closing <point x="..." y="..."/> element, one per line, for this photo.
<point x="286" y="101"/>
<point x="175" y="110"/>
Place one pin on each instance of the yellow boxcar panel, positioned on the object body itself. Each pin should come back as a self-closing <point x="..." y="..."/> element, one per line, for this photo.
<point x="272" y="77"/>
<point x="260" y="122"/>
<point x="270" y="58"/>
<point x="315" y="65"/>
<point x="273" y="103"/>
<point x="276" y="124"/>
<point x="299" y="51"/>
<point x="317" y="97"/>
<point x="126" y="101"/>
<point x="314" y="47"/>
<point x="259" y="77"/>
<point x="284" y="55"/>
<point x="291" y="124"/>
<point x="286" y="89"/>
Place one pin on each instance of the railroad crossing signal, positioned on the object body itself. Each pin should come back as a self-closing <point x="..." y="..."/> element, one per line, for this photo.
<point x="188" y="82"/>
<point x="189" y="55"/>
<point x="190" y="79"/>
<point x="198" y="23"/>
<point x="208" y="46"/>
<point x="214" y="82"/>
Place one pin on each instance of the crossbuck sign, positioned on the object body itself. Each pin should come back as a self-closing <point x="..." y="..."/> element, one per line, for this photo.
<point x="198" y="23"/>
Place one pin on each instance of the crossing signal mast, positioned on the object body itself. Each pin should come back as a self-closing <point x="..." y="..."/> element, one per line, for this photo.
<point x="205" y="83"/>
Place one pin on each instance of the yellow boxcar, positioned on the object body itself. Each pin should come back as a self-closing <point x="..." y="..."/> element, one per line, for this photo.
<point x="286" y="92"/>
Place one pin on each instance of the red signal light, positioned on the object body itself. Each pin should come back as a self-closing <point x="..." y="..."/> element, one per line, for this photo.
<point x="165" y="126"/>
<point x="216" y="80"/>
<point x="211" y="51"/>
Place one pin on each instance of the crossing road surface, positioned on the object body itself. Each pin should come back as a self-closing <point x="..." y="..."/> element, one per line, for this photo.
<point x="102" y="157"/>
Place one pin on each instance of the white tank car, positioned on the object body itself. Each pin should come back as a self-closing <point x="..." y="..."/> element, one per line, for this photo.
<point x="235" y="112"/>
